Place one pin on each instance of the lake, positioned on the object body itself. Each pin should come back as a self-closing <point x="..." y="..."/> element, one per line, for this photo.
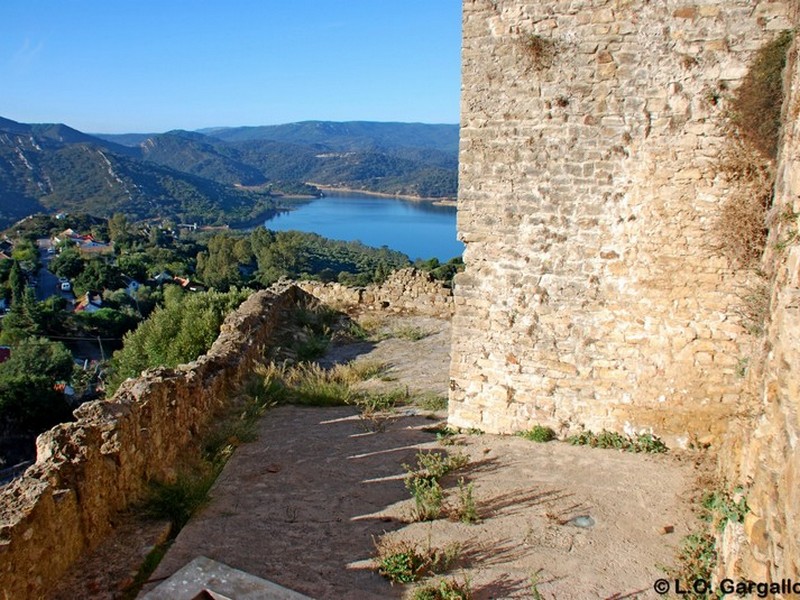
<point x="418" y="229"/>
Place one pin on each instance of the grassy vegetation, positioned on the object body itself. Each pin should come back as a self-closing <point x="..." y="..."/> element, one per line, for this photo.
<point x="412" y="334"/>
<point x="444" y="589"/>
<point x="422" y="481"/>
<point x="642" y="442"/>
<point x="538" y="433"/>
<point x="466" y="511"/>
<point x="406" y="562"/>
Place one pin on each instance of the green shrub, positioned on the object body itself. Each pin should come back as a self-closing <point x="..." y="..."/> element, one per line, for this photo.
<point x="538" y="433"/>
<point x="406" y="562"/>
<point x="446" y="589"/>
<point x="466" y="512"/>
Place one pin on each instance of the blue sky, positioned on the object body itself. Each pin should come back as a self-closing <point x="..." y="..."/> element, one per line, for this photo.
<point x="152" y="65"/>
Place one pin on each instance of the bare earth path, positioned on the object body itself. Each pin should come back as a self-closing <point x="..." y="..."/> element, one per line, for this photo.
<point x="301" y="505"/>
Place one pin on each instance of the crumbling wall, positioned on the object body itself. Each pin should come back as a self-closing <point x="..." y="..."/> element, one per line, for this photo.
<point x="88" y="470"/>
<point x="591" y="180"/>
<point x="405" y="290"/>
<point x="762" y="453"/>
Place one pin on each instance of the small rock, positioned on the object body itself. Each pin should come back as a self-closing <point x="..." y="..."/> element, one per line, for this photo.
<point x="667" y="529"/>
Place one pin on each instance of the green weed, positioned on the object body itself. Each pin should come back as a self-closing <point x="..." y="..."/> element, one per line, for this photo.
<point x="466" y="512"/>
<point x="643" y="442"/>
<point x="538" y="433"/>
<point x="697" y="558"/>
<point x="406" y="562"/>
<point x="720" y="507"/>
<point x="176" y="501"/>
<point x="445" y="589"/>
<point x="412" y="334"/>
<point x="431" y="401"/>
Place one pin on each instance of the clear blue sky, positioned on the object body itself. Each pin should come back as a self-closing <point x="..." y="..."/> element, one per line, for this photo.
<point x="117" y="66"/>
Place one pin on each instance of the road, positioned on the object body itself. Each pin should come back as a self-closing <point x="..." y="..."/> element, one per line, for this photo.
<point x="48" y="284"/>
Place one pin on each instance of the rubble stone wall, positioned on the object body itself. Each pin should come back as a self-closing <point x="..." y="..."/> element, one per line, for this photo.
<point x="88" y="470"/>
<point x="406" y="290"/>
<point x="762" y="451"/>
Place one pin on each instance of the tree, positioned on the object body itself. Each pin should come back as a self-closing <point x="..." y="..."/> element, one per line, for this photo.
<point x="26" y="253"/>
<point x="68" y="264"/>
<point x="98" y="275"/>
<point x="39" y="356"/>
<point x="16" y="283"/>
<point x="29" y="403"/>
<point x="219" y="266"/>
<point x="24" y="319"/>
<point x="175" y="333"/>
<point x="120" y="231"/>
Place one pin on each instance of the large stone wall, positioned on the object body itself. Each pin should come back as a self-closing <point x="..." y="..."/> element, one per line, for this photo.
<point x="762" y="453"/>
<point x="89" y="470"/>
<point x="591" y="179"/>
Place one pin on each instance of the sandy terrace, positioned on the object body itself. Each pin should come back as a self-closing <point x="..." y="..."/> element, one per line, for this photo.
<point x="303" y="504"/>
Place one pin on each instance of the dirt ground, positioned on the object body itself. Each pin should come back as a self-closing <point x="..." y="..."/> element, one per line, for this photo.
<point x="304" y="504"/>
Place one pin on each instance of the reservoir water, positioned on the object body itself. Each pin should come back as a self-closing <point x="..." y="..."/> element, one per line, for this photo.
<point x="418" y="229"/>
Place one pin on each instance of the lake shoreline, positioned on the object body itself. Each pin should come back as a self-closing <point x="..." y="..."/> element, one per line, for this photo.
<point x="342" y="190"/>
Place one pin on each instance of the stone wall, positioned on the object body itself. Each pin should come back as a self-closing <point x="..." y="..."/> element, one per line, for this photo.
<point x="591" y="179"/>
<point x="87" y="471"/>
<point x="762" y="454"/>
<point x="406" y="290"/>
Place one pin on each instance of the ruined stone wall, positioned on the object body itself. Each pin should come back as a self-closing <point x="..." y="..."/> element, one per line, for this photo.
<point x="87" y="471"/>
<point x="592" y="142"/>
<point x="762" y="453"/>
<point x="406" y="290"/>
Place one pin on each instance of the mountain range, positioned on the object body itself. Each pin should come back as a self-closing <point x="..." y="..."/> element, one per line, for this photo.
<point x="215" y="176"/>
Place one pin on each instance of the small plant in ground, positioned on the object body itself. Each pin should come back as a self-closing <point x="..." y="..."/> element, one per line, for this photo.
<point x="431" y="401"/>
<point x="428" y="497"/>
<point x="466" y="511"/>
<point x="406" y="562"/>
<point x="535" y="581"/>
<point x="446" y="589"/>
<point x="311" y="346"/>
<point x="307" y="384"/>
<point x="413" y="334"/>
<point x="643" y="442"/>
<point x="423" y="482"/>
<point x="720" y="507"/>
<point x="176" y="501"/>
<point x="697" y="559"/>
<point x="538" y="433"/>
<point x="362" y="370"/>
<point x="437" y="464"/>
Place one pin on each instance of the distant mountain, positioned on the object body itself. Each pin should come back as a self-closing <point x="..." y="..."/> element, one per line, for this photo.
<point x="211" y="176"/>
<point x="56" y="168"/>
<point x="352" y="136"/>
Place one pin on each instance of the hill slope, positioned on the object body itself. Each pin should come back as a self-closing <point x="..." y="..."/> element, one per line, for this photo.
<point x="54" y="167"/>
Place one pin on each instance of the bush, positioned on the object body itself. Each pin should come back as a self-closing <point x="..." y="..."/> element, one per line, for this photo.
<point x="538" y="433"/>
<point x="177" y="333"/>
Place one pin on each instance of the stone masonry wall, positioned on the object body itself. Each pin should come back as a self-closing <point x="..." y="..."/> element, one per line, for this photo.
<point x="762" y="453"/>
<point x="88" y="470"/>
<point x="406" y="290"/>
<point x="592" y="142"/>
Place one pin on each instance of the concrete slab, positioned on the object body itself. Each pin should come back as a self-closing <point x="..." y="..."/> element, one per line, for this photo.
<point x="204" y="578"/>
